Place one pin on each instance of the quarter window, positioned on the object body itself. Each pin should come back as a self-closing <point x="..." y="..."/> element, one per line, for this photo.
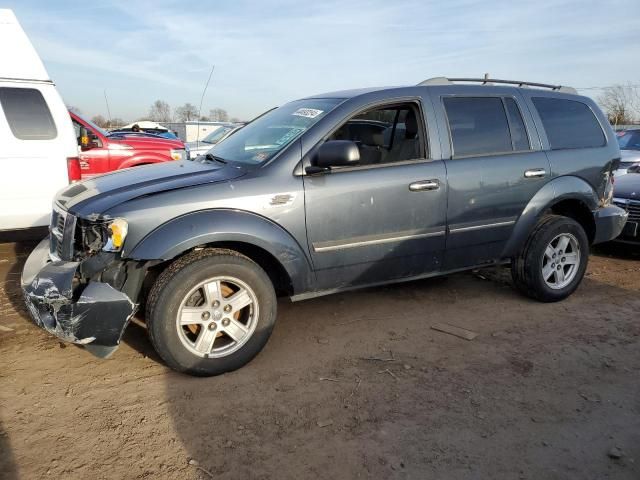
<point x="568" y="123"/>
<point x="27" y="113"/>
<point x="478" y="125"/>
<point x="518" y="131"/>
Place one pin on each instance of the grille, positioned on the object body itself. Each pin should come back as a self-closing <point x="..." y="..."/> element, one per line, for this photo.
<point x="61" y="238"/>
<point x="631" y="206"/>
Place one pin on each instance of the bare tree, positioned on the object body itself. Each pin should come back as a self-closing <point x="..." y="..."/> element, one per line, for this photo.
<point x="218" y="115"/>
<point x="74" y="109"/>
<point x="100" y="121"/>
<point x="160" y="111"/>
<point x="187" y="112"/>
<point x="621" y="103"/>
<point x="116" y="122"/>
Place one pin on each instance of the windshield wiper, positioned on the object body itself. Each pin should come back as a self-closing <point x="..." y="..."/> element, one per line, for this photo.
<point x="212" y="157"/>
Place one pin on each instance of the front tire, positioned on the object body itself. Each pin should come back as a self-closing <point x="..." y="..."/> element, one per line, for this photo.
<point x="210" y="312"/>
<point x="553" y="260"/>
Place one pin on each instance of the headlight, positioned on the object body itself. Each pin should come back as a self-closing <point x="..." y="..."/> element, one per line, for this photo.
<point x="117" y="232"/>
<point x="179" y="154"/>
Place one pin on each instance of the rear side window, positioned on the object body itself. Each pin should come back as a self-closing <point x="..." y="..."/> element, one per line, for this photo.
<point x="569" y="124"/>
<point x="27" y="114"/>
<point x="478" y="125"/>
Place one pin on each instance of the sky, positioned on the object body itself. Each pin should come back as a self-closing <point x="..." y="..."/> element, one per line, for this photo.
<point x="268" y="52"/>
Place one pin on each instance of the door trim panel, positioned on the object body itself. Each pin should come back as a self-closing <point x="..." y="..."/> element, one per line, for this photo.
<point x="366" y="240"/>
<point x="502" y="223"/>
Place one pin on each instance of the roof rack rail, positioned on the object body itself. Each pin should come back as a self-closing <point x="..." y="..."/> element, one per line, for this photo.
<point x="484" y="81"/>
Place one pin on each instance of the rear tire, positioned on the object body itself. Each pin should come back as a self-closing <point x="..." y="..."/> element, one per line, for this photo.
<point x="553" y="261"/>
<point x="210" y="312"/>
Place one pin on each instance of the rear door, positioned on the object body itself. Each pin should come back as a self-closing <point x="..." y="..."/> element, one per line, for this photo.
<point x="36" y="138"/>
<point x="494" y="169"/>
<point x="385" y="218"/>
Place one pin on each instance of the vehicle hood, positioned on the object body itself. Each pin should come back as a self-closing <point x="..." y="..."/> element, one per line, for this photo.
<point x="139" y="142"/>
<point x="629" y="156"/>
<point x="94" y="196"/>
<point x="627" y="186"/>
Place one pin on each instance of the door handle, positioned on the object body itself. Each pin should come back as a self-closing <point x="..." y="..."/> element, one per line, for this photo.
<point x="535" y="173"/>
<point x="423" y="185"/>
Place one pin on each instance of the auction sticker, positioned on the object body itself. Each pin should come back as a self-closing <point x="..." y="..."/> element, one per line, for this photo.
<point x="307" y="112"/>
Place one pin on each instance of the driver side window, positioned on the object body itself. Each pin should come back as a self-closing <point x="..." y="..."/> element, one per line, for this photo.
<point x="393" y="133"/>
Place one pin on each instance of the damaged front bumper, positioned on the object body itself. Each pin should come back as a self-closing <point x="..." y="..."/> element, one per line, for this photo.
<point x="93" y="313"/>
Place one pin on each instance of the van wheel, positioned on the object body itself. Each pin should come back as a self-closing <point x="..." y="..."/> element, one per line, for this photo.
<point x="553" y="261"/>
<point x="210" y="312"/>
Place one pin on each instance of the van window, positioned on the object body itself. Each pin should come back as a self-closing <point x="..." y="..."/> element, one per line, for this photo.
<point x="568" y="123"/>
<point x="27" y="114"/>
<point x="478" y="125"/>
<point x="519" y="136"/>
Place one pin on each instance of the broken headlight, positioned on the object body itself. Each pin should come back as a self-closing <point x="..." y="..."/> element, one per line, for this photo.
<point x="101" y="234"/>
<point x="117" y="230"/>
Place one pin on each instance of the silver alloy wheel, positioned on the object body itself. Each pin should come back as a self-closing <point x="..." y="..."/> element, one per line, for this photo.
<point x="217" y="317"/>
<point x="561" y="261"/>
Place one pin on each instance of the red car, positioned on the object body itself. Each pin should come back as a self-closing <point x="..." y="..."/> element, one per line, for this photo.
<point x="102" y="152"/>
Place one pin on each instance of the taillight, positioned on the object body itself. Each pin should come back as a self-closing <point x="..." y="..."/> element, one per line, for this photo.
<point x="73" y="169"/>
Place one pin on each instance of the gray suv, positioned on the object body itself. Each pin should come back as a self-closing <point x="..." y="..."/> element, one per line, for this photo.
<point x="326" y="194"/>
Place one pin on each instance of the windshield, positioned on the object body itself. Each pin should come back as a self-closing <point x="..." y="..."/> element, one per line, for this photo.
<point x="629" y="140"/>
<point x="265" y="137"/>
<point x="216" y="135"/>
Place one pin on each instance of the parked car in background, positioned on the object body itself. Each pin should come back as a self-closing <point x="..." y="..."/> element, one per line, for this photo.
<point x="629" y="141"/>
<point x="102" y="152"/>
<point x="38" y="153"/>
<point x="626" y="195"/>
<point x="146" y="127"/>
<point x="310" y="199"/>
<point x="203" y="146"/>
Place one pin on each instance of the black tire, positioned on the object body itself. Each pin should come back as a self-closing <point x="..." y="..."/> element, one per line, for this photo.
<point x="175" y="282"/>
<point x="526" y="268"/>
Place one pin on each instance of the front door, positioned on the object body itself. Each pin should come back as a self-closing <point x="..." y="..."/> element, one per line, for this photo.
<point x="385" y="217"/>
<point x="93" y="154"/>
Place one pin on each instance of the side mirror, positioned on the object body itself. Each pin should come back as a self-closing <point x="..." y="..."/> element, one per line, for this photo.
<point x="83" y="139"/>
<point x="335" y="153"/>
<point x="89" y="140"/>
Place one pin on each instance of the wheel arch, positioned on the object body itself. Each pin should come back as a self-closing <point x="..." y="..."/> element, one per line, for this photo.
<point x="256" y="237"/>
<point x="570" y="196"/>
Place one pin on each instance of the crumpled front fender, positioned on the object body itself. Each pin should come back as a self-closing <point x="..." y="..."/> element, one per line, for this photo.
<point x="94" y="314"/>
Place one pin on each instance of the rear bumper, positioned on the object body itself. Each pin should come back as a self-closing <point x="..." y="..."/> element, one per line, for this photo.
<point x="609" y="222"/>
<point x="93" y="314"/>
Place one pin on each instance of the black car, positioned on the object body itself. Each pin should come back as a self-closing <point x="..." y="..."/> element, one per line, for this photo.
<point x="627" y="196"/>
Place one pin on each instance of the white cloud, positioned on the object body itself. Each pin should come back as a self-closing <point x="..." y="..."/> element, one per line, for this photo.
<point x="271" y="51"/>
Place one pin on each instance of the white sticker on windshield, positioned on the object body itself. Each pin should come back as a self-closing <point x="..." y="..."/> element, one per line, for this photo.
<point x="307" y="112"/>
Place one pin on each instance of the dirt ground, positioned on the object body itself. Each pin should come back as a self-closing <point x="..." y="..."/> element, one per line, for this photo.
<point x="355" y="385"/>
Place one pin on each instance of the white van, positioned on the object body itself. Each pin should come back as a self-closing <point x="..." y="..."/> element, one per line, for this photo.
<point x="38" y="148"/>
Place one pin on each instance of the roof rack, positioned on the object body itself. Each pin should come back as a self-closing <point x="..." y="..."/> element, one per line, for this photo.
<point x="486" y="80"/>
